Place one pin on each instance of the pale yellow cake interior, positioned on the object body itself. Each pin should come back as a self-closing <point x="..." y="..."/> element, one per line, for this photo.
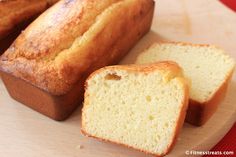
<point x="206" y="66"/>
<point x="133" y="108"/>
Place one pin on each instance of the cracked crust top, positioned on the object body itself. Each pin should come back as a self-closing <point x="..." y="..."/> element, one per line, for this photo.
<point x="54" y="51"/>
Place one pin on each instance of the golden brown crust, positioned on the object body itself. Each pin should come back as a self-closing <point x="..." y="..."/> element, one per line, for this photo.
<point x="13" y="12"/>
<point x="147" y="68"/>
<point x="199" y="113"/>
<point x="56" y="107"/>
<point x="55" y="62"/>
<point x="166" y="66"/>
<point x="63" y="23"/>
<point x="47" y="82"/>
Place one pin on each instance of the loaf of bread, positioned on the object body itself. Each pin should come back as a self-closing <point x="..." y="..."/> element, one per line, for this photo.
<point x="65" y="44"/>
<point x="15" y="12"/>
<point x="142" y="107"/>
<point x="209" y="68"/>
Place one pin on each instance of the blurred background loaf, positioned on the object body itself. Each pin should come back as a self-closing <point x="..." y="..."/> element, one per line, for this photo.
<point x="15" y="15"/>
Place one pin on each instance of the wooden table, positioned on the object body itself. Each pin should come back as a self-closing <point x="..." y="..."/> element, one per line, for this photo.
<point x="26" y="133"/>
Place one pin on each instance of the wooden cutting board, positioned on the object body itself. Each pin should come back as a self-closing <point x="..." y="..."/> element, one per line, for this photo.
<point x="26" y="133"/>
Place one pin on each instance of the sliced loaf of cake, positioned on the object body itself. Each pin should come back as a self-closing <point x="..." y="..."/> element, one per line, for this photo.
<point x="142" y="107"/>
<point x="209" y="68"/>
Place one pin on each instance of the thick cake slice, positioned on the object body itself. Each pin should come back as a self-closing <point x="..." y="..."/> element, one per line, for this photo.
<point x="142" y="107"/>
<point x="208" y="68"/>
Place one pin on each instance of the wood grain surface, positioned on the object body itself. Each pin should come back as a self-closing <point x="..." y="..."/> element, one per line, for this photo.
<point x="26" y="133"/>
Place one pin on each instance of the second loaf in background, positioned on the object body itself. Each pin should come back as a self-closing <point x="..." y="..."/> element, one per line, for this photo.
<point x="16" y="15"/>
<point x="51" y="59"/>
<point x="15" y="12"/>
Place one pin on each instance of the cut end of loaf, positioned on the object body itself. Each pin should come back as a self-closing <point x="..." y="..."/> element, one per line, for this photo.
<point x="142" y="107"/>
<point x="207" y="66"/>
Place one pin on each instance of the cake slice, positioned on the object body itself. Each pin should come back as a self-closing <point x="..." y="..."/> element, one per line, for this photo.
<point x="142" y="107"/>
<point x="208" y="68"/>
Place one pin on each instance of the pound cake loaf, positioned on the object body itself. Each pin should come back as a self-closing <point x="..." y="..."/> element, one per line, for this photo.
<point x="209" y="68"/>
<point x="142" y="107"/>
<point x="15" y="12"/>
<point x="46" y="66"/>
